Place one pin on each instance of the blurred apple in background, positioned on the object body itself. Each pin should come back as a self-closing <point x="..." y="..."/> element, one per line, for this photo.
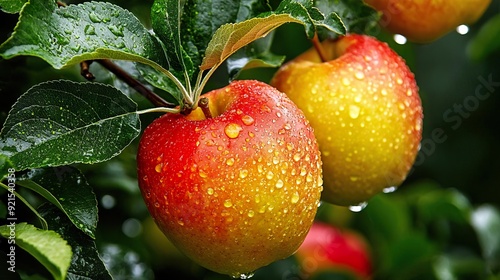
<point x="423" y="21"/>
<point x="328" y="248"/>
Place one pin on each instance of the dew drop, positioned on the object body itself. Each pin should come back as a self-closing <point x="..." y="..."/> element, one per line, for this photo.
<point x="232" y="130"/>
<point x="230" y="161"/>
<point x="309" y="178"/>
<point x="409" y="92"/>
<point x="346" y="81"/>
<point x="383" y="92"/>
<point x="242" y="275"/>
<point x="358" y="208"/>
<point x="296" y="157"/>
<point x="228" y="203"/>
<point x="354" y="111"/>
<point x="89" y="30"/>
<point x="251" y="213"/>
<point x="210" y="191"/>
<point x="202" y="174"/>
<point x="158" y="167"/>
<point x="276" y="160"/>
<point x="180" y="222"/>
<point x="390" y="189"/>
<point x="295" y="197"/>
<point x="269" y="175"/>
<point x="279" y="184"/>
<point x="94" y="17"/>
<point x="247" y="120"/>
<point x="303" y="172"/>
<point x="117" y="31"/>
<point x="243" y="173"/>
<point x="289" y="146"/>
<point x="359" y="75"/>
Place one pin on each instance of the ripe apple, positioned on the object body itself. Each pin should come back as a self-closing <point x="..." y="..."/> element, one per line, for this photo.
<point x="237" y="191"/>
<point x="427" y="20"/>
<point x="366" y="112"/>
<point x="327" y="247"/>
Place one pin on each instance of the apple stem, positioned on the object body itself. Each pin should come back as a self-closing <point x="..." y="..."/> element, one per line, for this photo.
<point x="203" y="104"/>
<point x="319" y="48"/>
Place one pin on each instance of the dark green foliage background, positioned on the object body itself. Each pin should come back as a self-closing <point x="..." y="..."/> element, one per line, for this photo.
<point x="410" y="231"/>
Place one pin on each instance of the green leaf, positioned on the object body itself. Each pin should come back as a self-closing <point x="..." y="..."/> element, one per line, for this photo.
<point x="46" y="246"/>
<point x="159" y="80"/>
<point x="166" y="21"/>
<point x="66" y="188"/>
<point x="12" y="6"/>
<point x="203" y="18"/>
<point x="62" y="122"/>
<point x="5" y="166"/>
<point x="231" y="37"/>
<point x="486" y="222"/>
<point x="356" y="15"/>
<point x="86" y="263"/>
<point x="487" y="41"/>
<point x="444" y="203"/>
<point x="91" y="30"/>
<point x="254" y="55"/>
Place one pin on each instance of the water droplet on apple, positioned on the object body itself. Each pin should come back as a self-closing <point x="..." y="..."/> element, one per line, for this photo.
<point x="202" y="174"/>
<point x="247" y="120"/>
<point x="289" y="146"/>
<point x="242" y="275"/>
<point x="279" y="184"/>
<point x="180" y="222"/>
<point x="303" y="171"/>
<point x="243" y="173"/>
<point x="359" y="207"/>
<point x="232" y="130"/>
<point x="359" y="75"/>
<point x="346" y="81"/>
<point x="309" y="177"/>
<point x="230" y="161"/>
<point x="295" y="197"/>
<point x="251" y="213"/>
<point x="383" y="92"/>
<point x="158" y="167"/>
<point x="260" y="168"/>
<point x="210" y="191"/>
<point x="269" y="175"/>
<point x="390" y="189"/>
<point x="409" y="92"/>
<point x="354" y="111"/>
<point x="228" y="203"/>
<point x="257" y="198"/>
<point x="296" y="157"/>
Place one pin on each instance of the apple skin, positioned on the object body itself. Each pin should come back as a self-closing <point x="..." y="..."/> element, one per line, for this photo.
<point x="327" y="247"/>
<point x="366" y="112"/>
<point x="237" y="191"/>
<point x="424" y="21"/>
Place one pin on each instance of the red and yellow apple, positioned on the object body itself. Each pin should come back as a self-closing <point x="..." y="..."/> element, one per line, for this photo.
<point x="330" y="248"/>
<point x="365" y="110"/>
<point x="237" y="191"/>
<point x="427" y="20"/>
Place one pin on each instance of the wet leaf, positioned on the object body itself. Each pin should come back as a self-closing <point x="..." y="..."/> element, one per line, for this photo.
<point x="231" y="37"/>
<point x="444" y="203"/>
<point x="159" y="80"/>
<point x="47" y="246"/>
<point x="66" y="188"/>
<point x="91" y="30"/>
<point x="85" y="263"/>
<point x="62" y="122"/>
<point x="356" y="15"/>
<point x="5" y="165"/>
<point x="12" y="6"/>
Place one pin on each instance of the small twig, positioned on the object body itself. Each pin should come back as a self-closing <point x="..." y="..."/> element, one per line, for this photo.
<point x="319" y="48"/>
<point x="61" y="4"/>
<point x="135" y="84"/>
<point x="84" y="70"/>
<point x="203" y="104"/>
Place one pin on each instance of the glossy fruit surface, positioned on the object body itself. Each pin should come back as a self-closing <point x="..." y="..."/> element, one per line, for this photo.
<point x="330" y="248"/>
<point x="426" y="20"/>
<point x="237" y="191"/>
<point x="366" y="112"/>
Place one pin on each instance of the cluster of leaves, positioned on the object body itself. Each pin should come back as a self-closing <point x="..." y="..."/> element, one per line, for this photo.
<point x="58" y="123"/>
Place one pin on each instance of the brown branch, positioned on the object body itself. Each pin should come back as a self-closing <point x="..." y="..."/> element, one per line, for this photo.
<point x="84" y="70"/>
<point x="133" y="83"/>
